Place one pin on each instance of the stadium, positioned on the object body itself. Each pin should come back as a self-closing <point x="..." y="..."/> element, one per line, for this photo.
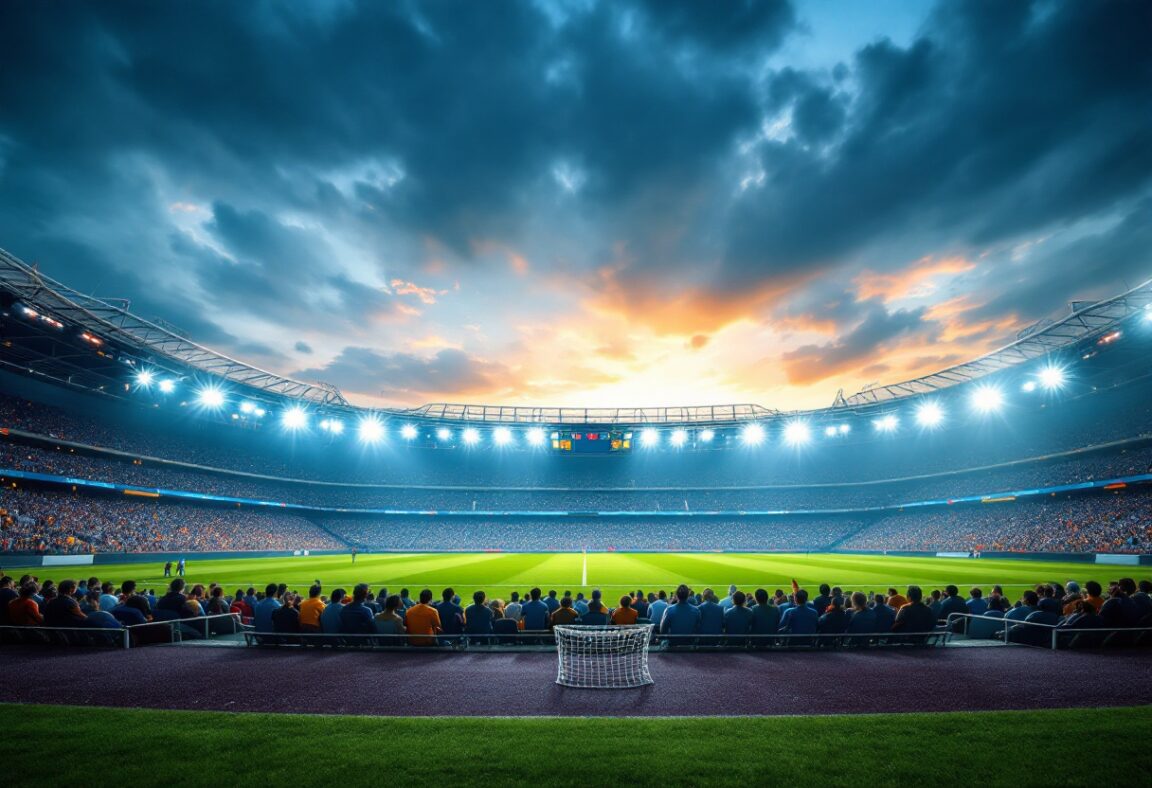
<point x="216" y="568"/>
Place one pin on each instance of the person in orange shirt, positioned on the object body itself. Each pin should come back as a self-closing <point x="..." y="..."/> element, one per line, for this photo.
<point x="896" y="600"/>
<point x="310" y="610"/>
<point x="24" y="612"/>
<point x="625" y="614"/>
<point x="422" y="619"/>
<point x="1092" y="594"/>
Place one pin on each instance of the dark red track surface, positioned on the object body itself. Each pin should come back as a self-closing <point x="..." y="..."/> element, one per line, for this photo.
<point x="238" y="679"/>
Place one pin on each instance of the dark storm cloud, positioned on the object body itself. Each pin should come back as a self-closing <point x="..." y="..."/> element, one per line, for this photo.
<point x="398" y="375"/>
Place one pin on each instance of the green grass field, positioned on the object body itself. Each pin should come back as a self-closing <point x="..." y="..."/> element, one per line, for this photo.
<point x="142" y="747"/>
<point x="500" y="573"/>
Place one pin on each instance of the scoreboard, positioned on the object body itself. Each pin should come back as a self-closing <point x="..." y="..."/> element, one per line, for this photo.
<point x="591" y="441"/>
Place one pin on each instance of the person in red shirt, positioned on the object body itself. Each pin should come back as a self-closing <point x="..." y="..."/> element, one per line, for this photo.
<point x="23" y="611"/>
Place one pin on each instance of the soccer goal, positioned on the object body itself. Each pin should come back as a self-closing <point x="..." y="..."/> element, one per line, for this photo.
<point x="611" y="657"/>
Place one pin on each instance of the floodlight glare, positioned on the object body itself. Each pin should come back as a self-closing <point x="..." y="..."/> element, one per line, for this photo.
<point x="649" y="437"/>
<point x="336" y="427"/>
<point x="408" y="432"/>
<point x="706" y="436"/>
<point x="211" y="397"/>
<point x="678" y="438"/>
<point x="294" y="418"/>
<point x="259" y="413"/>
<point x="247" y="407"/>
<point x="929" y="414"/>
<point x="986" y="399"/>
<point x="844" y="429"/>
<point x="166" y="386"/>
<point x="887" y="423"/>
<point x="753" y="434"/>
<point x="470" y="435"/>
<point x="797" y="433"/>
<point x="443" y="434"/>
<point x="144" y="378"/>
<point x="830" y="431"/>
<point x="535" y="437"/>
<point x="371" y="430"/>
<point x="1029" y="386"/>
<point x="1052" y="378"/>
<point x="501" y="436"/>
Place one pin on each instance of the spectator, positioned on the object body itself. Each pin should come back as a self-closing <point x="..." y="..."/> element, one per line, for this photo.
<point x="478" y="616"/>
<point x="566" y="614"/>
<point x="738" y="619"/>
<point x="357" y="618"/>
<point x="390" y="622"/>
<point x="835" y="619"/>
<point x="976" y="604"/>
<point x="625" y="615"/>
<point x="680" y="618"/>
<point x="862" y="620"/>
<point x="311" y="609"/>
<point x="952" y="603"/>
<point x="534" y="612"/>
<point x="765" y="615"/>
<point x="915" y="616"/>
<point x="512" y="609"/>
<point x="63" y="611"/>
<point x="596" y="615"/>
<point x="264" y="608"/>
<point x="23" y="611"/>
<point x="451" y="614"/>
<point x="423" y="620"/>
<point x="174" y="603"/>
<point x="286" y="618"/>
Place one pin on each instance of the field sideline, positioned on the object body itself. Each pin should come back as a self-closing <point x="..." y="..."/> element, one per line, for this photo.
<point x="500" y="573"/>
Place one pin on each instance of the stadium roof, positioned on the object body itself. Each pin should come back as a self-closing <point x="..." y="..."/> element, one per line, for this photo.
<point x="162" y="345"/>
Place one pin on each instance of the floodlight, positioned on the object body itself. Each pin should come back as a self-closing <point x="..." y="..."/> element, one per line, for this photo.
<point x="408" y="432"/>
<point x="753" y="434"/>
<point x="443" y="434"/>
<point x="1029" y="386"/>
<point x="986" y="399"/>
<point x="797" y="433"/>
<point x="1052" y="378"/>
<point x="247" y="407"/>
<point x="144" y="378"/>
<point x="470" y="435"/>
<point x="371" y="430"/>
<point x="259" y="413"/>
<point x="501" y="436"/>
<point x="535" y="437"/>
<point x="678" y="437"/>
<point x="1148" y="313"/>
<point x="294" y="418"/>
<point x="844" y="429"/>
<point x="211" y="397"/>
<point x="336" y="427"/>
<point x="929" y="414"/>
<point x="830" y="431"/>
<point x="166" y="386"/>
<point x="887" y="423"/>
<point x="706" y="436"/>
<point x="649" y="437"/>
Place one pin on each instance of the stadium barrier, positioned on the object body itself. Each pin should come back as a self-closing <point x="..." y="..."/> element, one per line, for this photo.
<point x="163" y="631"/>
<point x="544" y="640"/>
<point x="1052" y="636"/>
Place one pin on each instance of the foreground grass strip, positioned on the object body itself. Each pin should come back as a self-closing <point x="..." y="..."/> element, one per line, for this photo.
<point x="146" y="747"/>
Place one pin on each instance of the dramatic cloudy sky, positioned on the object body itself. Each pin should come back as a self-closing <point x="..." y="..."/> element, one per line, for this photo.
<point x="602" y="203"/>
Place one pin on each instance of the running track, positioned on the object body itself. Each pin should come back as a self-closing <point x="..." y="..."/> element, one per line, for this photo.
<point x="383" y="683"/>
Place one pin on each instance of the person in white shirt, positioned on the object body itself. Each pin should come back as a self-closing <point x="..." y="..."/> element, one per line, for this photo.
<point x="512" y="609"/>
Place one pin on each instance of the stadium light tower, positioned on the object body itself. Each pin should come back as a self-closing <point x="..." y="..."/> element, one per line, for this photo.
<point x="470" y="436"/>
<point x="408" y="432"/>
<point x="678" y="438"/>
<point x="371" y="430"/>
<point x="649" y="437"/>
<point x="797" y="433"/>
<point x="294" y="418"/>
<point x="210" y="397"/>
<point x="887" y="423"/>
<point x="752" y="434"/>
<point x="1052" y="378"/>
<point x="535" y="437"/>
<point x="929" y="415"/>
<point x="706" y="436"/>
<point x="987" y="399"/>
<point x="501" y="436"/>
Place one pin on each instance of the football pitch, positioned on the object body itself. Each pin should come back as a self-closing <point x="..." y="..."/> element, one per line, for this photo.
<point x="498" y="574"/>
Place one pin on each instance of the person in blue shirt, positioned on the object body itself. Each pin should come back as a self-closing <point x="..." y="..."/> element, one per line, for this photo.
<point x="477" y="616"/>
<point x="596" y="616"/>
<point x="711" y="617"/>
<point x="357" y="618"/>
<point x="132" y="611"/>
<point x="738" y="619"/>
<point x="262" y="615"/>
<point x="108" y="600"/>
<point x="581" y="604"/>
<point x="835" y="619"/>
<point x="726" y="602"/>
<point x="552" y="602"/>
<point x="406" y="599"/>
<point x="681" y="618"/>
<point x="800" y="619"/>
<point x="330" y="618"/>
<point x="863" y="619"/>
<point x="657" y="607"/>
<point x="534" y="613"/>
<point x="640" y="604"/>
<point x="1028" y="606"/>
<point x="765" y="617"/>
<point x="977" y="605"/>
<point x="451" y="614"/>
<point x="989" y="624"/>
<point x="250" y="598"/>
<point x="915" y="616"/>
<point x="823" y="599"/>
<point x="885" y="615"/>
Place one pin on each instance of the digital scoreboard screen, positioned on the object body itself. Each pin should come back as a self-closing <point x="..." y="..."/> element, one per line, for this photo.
<point x="591" y="441"/>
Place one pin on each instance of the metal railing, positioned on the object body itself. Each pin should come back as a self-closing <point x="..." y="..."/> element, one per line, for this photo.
<point x="1050" y="636"/>
<point x="126" y="636"/>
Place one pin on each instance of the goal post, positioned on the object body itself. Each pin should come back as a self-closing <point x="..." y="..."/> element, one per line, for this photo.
<point x="610" y="657"/>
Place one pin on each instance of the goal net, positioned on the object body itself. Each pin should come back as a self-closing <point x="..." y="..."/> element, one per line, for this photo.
<point x="603" y="657"/>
